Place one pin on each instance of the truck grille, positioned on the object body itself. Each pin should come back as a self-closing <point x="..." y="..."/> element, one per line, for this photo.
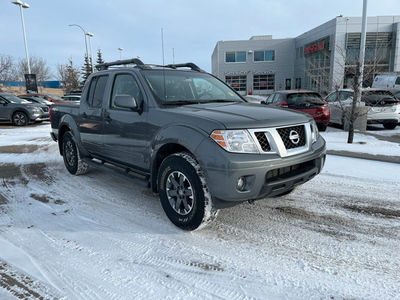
<point x="262" y="139"/>
<point x="293" y="137"/>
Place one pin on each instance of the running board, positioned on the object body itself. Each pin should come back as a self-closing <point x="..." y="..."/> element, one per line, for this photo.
<point x="126" y="173"/>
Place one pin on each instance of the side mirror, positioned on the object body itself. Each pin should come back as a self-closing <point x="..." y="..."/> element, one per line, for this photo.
<point x="126" y="101"/>
<point x="3" y="102"/>
<point x="263" y="102"/>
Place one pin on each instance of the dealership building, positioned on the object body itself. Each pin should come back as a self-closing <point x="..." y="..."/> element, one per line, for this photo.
<point x="320" y="59"/>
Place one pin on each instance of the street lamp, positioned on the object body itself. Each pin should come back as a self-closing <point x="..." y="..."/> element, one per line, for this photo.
<point x="84" y="34"/>
<point x="23" y="5"/>
<point x="120" y="53"/>
<point x="89" y="34"/>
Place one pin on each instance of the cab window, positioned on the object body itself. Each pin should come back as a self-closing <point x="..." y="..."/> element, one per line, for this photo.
<point x="96" y="91"/>
<point x="125" y="84"/>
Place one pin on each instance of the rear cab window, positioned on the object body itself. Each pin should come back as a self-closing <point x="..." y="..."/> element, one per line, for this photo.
<point x="96" y="91"/>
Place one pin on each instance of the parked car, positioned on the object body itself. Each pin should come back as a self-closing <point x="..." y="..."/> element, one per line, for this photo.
<point x="71" y="97"/>
<point x="37" y="100"/>
<point x="390" y="80"/>
<point x="20" y="111"/>
<point x="309" y="102"/>
<point x="75" y="92"/>
<point x="46" y="96"/>
<point x="383" y="107"/>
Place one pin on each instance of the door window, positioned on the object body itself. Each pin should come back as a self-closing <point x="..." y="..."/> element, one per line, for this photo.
<point x="96" y="91"/>
<point x="125" y="84"/>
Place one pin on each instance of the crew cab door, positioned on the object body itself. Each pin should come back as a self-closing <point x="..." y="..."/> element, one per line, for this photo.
<point x="90" y="115"/>
<point x="124" y="129"/>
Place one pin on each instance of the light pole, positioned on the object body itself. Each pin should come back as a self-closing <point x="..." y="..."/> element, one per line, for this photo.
<point x="120" y="53"/>
<point x="84" y="34"/>
<point x="89" y="34"/>
<point x="23" y="5"/>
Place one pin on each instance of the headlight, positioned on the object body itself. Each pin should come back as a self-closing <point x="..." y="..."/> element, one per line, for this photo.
<point x="314" y="132"/>
<point x="238" y="141"/>
<point x="37" y="110"/>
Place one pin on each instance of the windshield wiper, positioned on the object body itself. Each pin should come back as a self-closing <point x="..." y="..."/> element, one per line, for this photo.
<point x="183" y="102"/>
<point x="220" y="100"/>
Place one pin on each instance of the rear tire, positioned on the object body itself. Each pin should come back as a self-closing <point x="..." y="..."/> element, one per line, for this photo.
<point x="183" y="192"/>
<point x="390" y="125"/>
<point x="20" y="119"/>
<point x="71" y="154"/>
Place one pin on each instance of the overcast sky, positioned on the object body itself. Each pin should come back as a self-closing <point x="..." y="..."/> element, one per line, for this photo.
<point x="192" y="28"/>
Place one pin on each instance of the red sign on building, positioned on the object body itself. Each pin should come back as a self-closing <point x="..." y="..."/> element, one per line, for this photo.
<point x="314" y="48"/>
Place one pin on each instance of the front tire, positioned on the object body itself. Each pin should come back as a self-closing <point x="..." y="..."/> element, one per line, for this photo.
<point x="183" y="192"/>
<point x="71" y="154"/>
<point x="20" y="119"/>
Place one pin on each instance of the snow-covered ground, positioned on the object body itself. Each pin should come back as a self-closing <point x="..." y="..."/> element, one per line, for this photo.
<point x="100" y="237"/>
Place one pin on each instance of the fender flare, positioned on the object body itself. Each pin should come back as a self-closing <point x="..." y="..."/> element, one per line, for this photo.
<point x="67" y="123"/>
<point x="171" y="139"/>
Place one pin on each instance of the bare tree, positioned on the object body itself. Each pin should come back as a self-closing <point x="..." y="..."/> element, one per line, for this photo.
<point x="348" y="62"/>
<point x="6" y="68"/>
<point x="38" y="67"/>
<point x="68" y="74"/>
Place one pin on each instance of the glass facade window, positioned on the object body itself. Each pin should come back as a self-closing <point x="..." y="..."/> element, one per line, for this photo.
<point x="238" y="83"/>
<point x="268" y="55"/>
<point x="378" y="55"/>
<point x="318" y="57"/>
<point x="297" y="83"/>
<point x="239" y="56"/>
<point x="264" y="82"/>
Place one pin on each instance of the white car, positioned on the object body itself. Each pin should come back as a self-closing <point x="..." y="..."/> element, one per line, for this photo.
<point x="383" y="107"/>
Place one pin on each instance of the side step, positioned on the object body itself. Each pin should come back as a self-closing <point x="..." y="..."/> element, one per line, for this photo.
<point x="126" y="174"/>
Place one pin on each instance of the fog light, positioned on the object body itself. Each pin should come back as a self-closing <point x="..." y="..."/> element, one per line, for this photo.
<point x="241" y="183"/>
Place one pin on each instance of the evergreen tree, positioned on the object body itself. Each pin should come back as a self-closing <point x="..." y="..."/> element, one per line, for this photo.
<point x="86" y="69"/>
<point x="99" y="59"/>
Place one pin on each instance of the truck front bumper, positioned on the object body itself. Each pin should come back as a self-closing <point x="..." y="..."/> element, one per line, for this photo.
<point x="234" y="178"/>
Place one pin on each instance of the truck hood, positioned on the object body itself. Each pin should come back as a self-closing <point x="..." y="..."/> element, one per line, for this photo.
<point x="240" y="115"/>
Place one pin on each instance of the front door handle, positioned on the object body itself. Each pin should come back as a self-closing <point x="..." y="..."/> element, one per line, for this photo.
<point x="107" y="118"/>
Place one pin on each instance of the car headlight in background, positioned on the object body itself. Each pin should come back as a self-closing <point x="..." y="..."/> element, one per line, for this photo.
<point x="314" y="131"/>
<point x="238" y="141"/>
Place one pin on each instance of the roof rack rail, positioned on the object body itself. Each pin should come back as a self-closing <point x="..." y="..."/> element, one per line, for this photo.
<point x="187" y="65"/>
<point x="104" y="66"/>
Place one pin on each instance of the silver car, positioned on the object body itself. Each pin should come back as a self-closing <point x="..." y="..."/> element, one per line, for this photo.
<point x="383" y="107"/>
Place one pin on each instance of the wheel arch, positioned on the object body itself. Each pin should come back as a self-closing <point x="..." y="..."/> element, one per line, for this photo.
<point x="170" y="140"/>
<point x="163" y="152"/>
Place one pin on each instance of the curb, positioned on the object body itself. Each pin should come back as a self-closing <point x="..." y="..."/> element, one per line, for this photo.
<point x="377" y="157"/>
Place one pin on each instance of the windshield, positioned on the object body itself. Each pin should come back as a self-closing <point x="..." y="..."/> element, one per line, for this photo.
<point x="14" y="99"/>
<point x="376" y="96"/>
<point x="300" y="98"/>
<point x="187" y="87"/>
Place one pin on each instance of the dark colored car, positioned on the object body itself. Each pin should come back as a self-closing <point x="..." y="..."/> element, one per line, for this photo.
<point x="72" y="97"/>
<point x="20" y="111"/>
<point x="46" y="96"/>
<point x="309" y="102"/>
<point x="37" y="100"/>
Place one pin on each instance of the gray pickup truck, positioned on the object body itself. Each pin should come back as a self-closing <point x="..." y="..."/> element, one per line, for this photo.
<point x="188" y="136"/>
